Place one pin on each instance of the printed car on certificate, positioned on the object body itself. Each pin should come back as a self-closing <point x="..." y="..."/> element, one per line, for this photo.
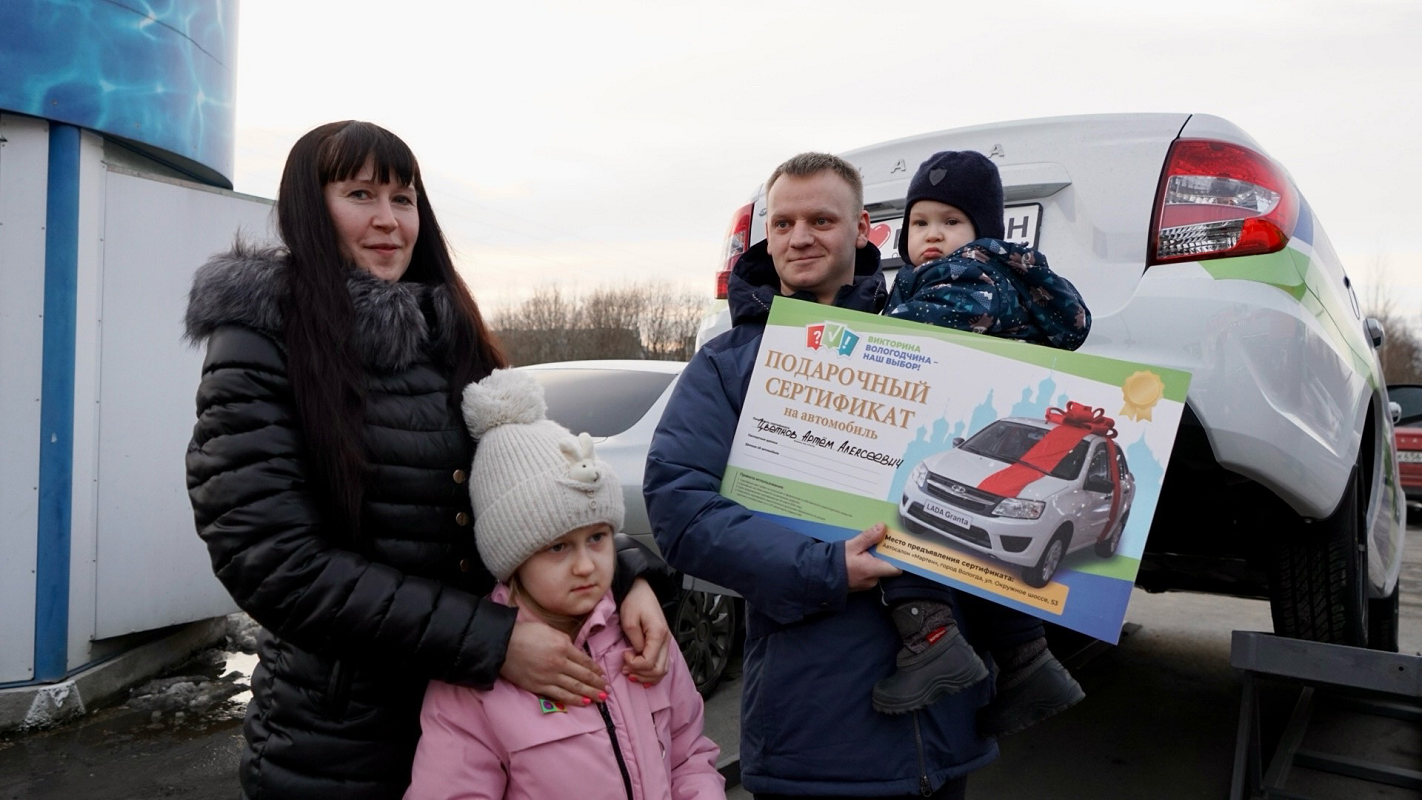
<point x="993" y="494"/>
<point x="1195" y="250"/>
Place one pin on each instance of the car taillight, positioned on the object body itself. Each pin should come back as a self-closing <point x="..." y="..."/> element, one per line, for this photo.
<point x="737" y="239"/>
<point x="1218" y="199"/>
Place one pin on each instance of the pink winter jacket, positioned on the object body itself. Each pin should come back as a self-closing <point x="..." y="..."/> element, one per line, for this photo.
<point x="499" y="744"/>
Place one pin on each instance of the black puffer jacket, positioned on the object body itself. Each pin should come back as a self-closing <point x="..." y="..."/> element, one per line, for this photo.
<point x="350" y="639"/>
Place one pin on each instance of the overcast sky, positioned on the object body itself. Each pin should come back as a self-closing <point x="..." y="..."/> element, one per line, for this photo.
<point x="594" y="143"/>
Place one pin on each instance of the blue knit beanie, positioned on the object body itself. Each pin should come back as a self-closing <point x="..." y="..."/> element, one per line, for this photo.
<point x="964" y="179"/>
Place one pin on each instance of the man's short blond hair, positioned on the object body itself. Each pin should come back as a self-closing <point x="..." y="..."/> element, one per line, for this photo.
<point x="807" y="164"/>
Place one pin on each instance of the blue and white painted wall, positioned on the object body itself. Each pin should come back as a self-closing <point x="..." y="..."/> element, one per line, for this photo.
<point x="159" y="74"/>
<point x="99" y="237"/>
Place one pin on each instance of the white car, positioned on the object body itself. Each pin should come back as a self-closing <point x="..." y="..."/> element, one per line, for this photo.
<point x="1073" y="506"/>
<point x="619" y="403"/>
<point x="1195" y="250"/>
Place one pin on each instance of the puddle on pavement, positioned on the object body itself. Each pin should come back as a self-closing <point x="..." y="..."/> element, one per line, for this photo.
<point x="211" y="688"/>
<point x="243" y="663"/>
<point x="208" y="692"/>
<point x="178" y="735"/>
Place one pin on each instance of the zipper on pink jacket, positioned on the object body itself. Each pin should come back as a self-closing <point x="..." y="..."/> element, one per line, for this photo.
<point x="612" y="734"/>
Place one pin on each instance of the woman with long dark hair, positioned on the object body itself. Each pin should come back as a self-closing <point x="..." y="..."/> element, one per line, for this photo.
<point x="327" y="474"/>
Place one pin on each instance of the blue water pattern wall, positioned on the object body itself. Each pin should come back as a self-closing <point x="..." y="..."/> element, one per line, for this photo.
<point x="160" y="73"/>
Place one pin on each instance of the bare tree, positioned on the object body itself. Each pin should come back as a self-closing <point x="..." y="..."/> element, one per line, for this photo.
<point x="1401" y="353"/>
<point x="539" y="328"/>
<point x="669" y="323"/>
<point x="629" y="321"/>
<point x="612" y="323"/>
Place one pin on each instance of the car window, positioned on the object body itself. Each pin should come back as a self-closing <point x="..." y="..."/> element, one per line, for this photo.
<point x="1408" y="396"/>
<point x="1009" y="441"/>
<point x="1070" y="465"/>
<point x="602" y="402"/>
<point x="1100" y="468"/>
<point x="1121" y="465"/>
<point x="1004" y="441"/>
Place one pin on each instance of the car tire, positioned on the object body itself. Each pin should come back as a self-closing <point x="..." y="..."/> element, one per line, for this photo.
<point x="704" y="625"/>
<point x="1107" y="548"/>
<point x="1318" y="576"/>
<point x="1041" y="573"/>
<point x="1382" y="622"/>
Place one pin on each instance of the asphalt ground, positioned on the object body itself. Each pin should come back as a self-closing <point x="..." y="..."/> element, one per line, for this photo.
<point x="1162" y="708"/>
<point x="1159" y="721"/>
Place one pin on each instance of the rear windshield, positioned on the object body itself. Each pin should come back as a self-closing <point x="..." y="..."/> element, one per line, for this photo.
<point x="601" y="402"/>
<point x="1009" y="441"/>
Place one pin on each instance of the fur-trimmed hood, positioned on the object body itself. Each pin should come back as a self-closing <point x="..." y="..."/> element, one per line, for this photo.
<point x="396" y="324"/>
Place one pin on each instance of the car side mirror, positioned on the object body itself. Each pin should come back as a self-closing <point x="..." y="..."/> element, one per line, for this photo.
<point x="1375" y="331"/>
<point x="958" y="440"/>
<point x="1098" y="486"/>
<point x="1394" y="410"/>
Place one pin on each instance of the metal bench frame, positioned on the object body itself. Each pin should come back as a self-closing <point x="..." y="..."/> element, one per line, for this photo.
<point x="1367" y="681"/>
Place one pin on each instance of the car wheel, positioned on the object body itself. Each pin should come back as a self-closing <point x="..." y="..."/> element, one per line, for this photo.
<point x="704" y="625"/>
<point x="1107" y="548"/>
<point x="1318" y="574"/>
<point x="1382" y="622"/>
<point x="1039" y="575"/>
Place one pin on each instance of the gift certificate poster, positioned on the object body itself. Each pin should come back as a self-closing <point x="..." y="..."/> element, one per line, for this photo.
<point x="1020" y="473"/>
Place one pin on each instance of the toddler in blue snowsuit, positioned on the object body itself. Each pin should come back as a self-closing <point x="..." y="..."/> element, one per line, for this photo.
<point x="959" y="273"/>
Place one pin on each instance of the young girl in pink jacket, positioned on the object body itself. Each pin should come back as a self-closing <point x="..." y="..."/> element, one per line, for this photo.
<point x="545" y="512"/>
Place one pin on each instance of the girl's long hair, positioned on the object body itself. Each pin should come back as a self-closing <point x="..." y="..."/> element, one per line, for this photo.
<point x="326" y="374"/>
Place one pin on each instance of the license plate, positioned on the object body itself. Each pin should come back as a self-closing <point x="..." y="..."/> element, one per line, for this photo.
<point x="955" y="517"/>
<point x="1021" y="224"/>
<point x="1411" y="456"/>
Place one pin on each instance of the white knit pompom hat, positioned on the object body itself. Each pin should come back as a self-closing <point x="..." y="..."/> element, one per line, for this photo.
<point x="532" y="480"/>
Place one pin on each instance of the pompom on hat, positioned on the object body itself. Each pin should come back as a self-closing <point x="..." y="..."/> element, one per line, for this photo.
<point x="964" y="179"/>
<point x="532" y="480"/>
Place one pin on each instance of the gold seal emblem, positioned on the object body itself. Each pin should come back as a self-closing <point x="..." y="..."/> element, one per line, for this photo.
<point x="1141" y="392"/>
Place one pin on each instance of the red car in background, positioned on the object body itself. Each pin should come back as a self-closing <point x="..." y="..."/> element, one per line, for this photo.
<point x="1408" y="438"/>
<point x="1409" y="462"/>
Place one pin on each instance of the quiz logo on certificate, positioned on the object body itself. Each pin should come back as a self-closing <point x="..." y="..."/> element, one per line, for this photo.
<point x="831" y="336"/>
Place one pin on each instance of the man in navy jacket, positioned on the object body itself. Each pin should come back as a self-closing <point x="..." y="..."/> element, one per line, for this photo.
<point x="817" y="638"/>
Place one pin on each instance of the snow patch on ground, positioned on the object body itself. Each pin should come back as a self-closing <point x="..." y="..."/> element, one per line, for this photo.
<point x="212" y="684"/>
<point x="53" y="704"/>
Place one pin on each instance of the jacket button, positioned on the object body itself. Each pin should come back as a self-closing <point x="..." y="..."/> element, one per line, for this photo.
<point x="460" y="476"/>
<point x="461" y="519"/>
<point x="464" y="565"/>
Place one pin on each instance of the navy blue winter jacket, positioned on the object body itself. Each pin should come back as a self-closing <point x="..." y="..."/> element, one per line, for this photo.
<point x="997" y="288"/>
<point x="813" y="649"/>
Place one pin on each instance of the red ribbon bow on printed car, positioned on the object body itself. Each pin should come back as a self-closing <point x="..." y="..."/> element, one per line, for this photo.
<point x="1079" y="415"/>
<point x="1065" y="486"/>
<point x="1074" y="424"/>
